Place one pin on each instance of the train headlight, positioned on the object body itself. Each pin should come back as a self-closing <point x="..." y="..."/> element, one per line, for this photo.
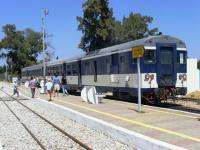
<point x="184" y="77"/>
<point x="146" y="77"/>
<point x="151" y="77"/>
<point x="180" y="76"/>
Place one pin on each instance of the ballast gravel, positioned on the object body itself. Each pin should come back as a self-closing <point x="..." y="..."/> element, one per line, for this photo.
<point x="19" y="138"/>
<point x="90" y="137"/>
<point x="50" y="137"/>
<point x="12" y="134"/>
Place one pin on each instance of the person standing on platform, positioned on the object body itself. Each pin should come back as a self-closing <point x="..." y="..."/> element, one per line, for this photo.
<point x="64" y="85"/>
<point x="56" y="85"/>
<point x="15" y="88"/>
<point x="32" y="85"/>
<point x="49" y="87"/>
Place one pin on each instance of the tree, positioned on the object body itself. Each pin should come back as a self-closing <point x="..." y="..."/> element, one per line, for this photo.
<point x="136" y="26"/>
<point x="100" y="29"/>
<point x="96" y="25"/>
<point x="2" y="69"/>
<point x="22" y="47"/>
<point x="198" y="64"/>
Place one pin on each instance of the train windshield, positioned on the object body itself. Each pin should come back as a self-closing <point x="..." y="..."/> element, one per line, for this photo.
<point x="166" y="55"/>
<point x="181" y="57"/>
<point x="149" y="56"/>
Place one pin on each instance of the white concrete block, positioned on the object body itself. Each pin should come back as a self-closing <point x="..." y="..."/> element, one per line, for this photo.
<point x="192" y="75"/>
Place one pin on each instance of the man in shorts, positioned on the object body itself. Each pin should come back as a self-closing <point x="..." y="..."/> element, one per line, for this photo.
<point x="56" y="85"/>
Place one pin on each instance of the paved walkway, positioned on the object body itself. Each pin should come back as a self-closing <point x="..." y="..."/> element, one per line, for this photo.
<point x="174" y="127"/>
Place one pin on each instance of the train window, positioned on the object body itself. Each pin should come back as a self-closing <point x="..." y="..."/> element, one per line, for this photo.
<point x="107" y="66"/>
<point x="73" y="66"/>
<point x="150" y="56"/>
<point x="87" y="68"/>
<point x="68" y="67"/>
<point x="68" y="73"/>
<point x="74" y="72"/>
<point x="166" y="55"/>
<point x="122" y="59"/>
<point x="181" y="57"/>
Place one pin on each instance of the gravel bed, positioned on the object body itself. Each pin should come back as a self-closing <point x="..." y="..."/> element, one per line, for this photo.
<point x="90" y="137"/>
<point x="47" y="135"/>
<point x="12" y="133"/>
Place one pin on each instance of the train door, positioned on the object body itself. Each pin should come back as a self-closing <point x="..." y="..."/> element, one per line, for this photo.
<point x="95" y="70"/>
<point x="64" y="69"/>
<point x="166" y="63"/>
<point x="115" y="63"/>
<point x="79" y="74"/>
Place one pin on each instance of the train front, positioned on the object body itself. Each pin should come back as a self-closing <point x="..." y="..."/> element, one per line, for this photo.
<point x="164" y="67"/>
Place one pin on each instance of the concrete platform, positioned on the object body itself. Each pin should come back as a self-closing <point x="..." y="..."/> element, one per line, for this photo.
<point x="173" y="127"/>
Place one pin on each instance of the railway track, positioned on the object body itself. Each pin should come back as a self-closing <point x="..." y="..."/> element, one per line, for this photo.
<point x="81" y="144"/>
<point x="182" y="104"/>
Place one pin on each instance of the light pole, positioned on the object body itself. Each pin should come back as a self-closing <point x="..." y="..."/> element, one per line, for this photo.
<point x="45" y="13"/>
<point x="6" y="74"/>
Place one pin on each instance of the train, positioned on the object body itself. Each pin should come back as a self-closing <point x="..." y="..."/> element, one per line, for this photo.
<point x="113" y="69"/>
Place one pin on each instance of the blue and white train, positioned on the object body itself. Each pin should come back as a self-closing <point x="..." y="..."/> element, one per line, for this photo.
<point x="112" y="69"/>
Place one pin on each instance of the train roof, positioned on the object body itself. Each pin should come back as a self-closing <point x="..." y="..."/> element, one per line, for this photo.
<point x="55" y="62"/>
<point x="38" y="66"/>
<point x="149" y="42"/>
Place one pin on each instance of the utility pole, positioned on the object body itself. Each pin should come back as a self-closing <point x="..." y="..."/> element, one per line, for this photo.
<point x="6" y="74"/>
<point x="45" y="13"/>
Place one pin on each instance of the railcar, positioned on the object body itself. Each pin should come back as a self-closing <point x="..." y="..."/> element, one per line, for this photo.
<point x="55" y="67"/>
<point x="113" y="69"/>
<point x="32" y="71"/>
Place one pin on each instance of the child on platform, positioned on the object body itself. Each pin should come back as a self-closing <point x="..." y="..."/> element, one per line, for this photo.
<point x="49" y="86"/>
<point x="15" y="88"/>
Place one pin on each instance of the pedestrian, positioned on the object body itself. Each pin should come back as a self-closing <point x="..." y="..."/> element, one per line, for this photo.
<point x="49" y="86"/>
<point x="64" y="85"/>
<point x="32" y="85"/>
<point x="56" y="85"/>
<point x="15" y="88"/>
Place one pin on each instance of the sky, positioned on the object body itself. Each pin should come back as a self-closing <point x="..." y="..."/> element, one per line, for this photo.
<point x="179" y="18"/>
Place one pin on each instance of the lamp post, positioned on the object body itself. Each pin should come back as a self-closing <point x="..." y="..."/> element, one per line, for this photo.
<point x="45" y="13"/>
<point x="6" y="74"/>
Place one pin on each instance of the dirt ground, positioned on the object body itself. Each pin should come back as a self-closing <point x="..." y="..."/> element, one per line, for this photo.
<point x="189" y="102"/>
<point x="194" y="95"/>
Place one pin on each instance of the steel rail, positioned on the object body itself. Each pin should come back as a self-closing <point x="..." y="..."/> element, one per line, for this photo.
<point x="32" y="135"/>
<point x="52" y="124"/>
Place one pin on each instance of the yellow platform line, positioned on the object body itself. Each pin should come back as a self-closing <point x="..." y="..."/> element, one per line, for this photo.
<point x="171" y="113"/>
<point x="133" y="122"/>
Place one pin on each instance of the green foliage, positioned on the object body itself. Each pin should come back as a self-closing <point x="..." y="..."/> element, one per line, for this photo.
<point x="100" y="29"/>
<point x="2" y="69"/>
<point x="135" y="26"/>
<point x="198" y="64"/>
<point x="96" y="25"/>
<point x="21" y="48"/>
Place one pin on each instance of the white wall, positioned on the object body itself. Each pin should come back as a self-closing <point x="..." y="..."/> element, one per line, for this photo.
<point x="192" y="75"/>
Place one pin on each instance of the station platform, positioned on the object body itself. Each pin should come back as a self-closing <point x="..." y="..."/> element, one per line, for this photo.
<point x="174" y="127"/>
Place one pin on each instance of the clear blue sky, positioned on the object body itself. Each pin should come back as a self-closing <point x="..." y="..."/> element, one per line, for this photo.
<point x="179" y="18"/>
